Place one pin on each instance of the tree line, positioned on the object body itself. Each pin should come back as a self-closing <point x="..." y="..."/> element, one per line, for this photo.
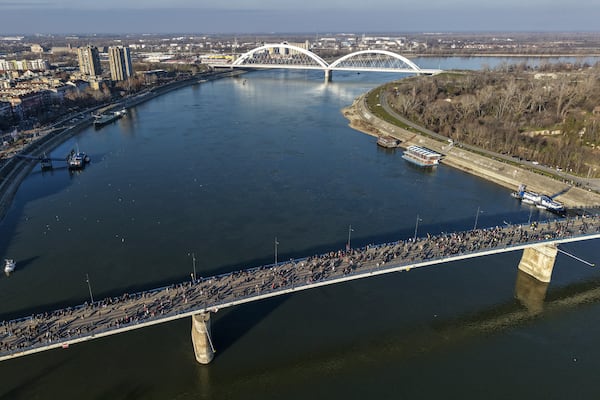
<point x="549" y="114"/>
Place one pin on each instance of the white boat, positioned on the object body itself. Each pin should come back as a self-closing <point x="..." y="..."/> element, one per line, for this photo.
<point x="388" y="142"/>
<point x="421" y="156"/>
<point x="9" y="265"/>
<point x="552" y="205"/>
<point x="541" y="201"/>
<point x="77" y="160"/>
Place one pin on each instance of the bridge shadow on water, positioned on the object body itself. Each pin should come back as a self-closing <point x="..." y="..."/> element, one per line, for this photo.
<point x="240" y="320"/>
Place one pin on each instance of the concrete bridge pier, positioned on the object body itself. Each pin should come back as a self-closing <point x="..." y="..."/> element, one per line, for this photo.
<point x="203" y="347"/>
<point x="328" y="75"/>
<point x="538" y="261"/>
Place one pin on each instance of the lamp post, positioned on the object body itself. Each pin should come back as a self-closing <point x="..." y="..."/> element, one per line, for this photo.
<point x="477" y="217"/>
<point x="416" y="227"/>
<point x="350" y="230"/>
<point x="276" y="243"/>
<point x="194" y="266"/>
<point x="87" y="279"/>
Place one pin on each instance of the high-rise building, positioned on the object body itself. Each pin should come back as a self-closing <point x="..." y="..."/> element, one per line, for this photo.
<point x="119" y="59"/>
<point x="89" y="61"/>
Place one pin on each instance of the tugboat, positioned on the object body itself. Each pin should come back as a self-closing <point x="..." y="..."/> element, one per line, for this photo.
<point x="9" y="265"/>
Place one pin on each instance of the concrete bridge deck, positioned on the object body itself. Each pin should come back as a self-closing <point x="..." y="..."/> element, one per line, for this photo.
<point x="60" y="328"/>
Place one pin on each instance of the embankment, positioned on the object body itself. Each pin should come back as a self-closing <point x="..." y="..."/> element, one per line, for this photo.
<point x="15" y="169"/>
<point x="502" y="173"/>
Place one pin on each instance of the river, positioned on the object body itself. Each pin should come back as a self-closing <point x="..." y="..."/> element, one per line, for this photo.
<point x="221" y="169"/>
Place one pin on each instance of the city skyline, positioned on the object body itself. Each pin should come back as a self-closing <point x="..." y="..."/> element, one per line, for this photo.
<point x="266" y="16"/>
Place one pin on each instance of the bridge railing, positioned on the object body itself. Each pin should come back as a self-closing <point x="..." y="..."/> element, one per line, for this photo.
<point x="206" y="303"/>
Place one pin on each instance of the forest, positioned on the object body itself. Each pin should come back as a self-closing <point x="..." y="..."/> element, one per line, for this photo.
<point x="549" y="114"/>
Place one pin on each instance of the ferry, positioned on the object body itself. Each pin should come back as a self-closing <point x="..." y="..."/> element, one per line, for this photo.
<point x="421" y="156"/>
<point x="388" y="142"/>
<point x="9" y="265"/>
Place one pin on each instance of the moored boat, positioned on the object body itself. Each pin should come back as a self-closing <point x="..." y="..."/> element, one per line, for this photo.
<point x="104" y="119"/>
<point x="77" y="160"/>
<point x="388" y="142"/>
<point x="540" y="201"/>
<point x="421" y="156"/>
<point x="46" y="163"/>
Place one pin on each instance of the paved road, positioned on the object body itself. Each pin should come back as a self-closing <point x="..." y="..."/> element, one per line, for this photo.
<point x="131" y="311"/>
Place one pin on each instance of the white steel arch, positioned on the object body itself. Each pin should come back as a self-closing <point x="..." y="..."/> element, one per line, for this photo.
<point x="256" y="57"/>
<point x="286" y="56"/>
<point x="377" y="63"/>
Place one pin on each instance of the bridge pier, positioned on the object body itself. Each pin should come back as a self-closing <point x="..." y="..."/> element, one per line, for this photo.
<point x="203" y="347"/>
<point x="538" y="261"/>
<point x="328" y="75"/>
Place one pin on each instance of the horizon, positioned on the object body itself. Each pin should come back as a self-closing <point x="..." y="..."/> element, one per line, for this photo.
<point x="263" y="17"/>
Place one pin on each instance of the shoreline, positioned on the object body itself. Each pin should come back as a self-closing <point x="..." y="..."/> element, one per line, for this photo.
<point x="510" y="176"/>
<point x="16" y="169"/>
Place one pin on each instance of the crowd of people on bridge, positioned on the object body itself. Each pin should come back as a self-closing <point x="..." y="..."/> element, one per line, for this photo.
<point x="212" y="293"/>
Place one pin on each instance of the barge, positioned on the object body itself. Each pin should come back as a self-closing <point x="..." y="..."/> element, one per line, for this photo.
<point x="421" y="156"/>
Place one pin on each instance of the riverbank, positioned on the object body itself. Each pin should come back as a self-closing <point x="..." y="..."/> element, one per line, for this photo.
<point x="16" y="169"/>
<point x="507" y="175"/>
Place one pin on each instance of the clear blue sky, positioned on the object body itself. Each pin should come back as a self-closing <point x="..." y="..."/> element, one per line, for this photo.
<point x="311" y="16"/>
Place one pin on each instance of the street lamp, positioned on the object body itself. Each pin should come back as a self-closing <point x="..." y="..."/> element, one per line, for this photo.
<point x="87" y="279"/>
<point x="194" y="266"/>
<point x="276" y="243"/>
<point x="479" y="211"/>
<point x="350" y="230"/>
<point x="416" y="227"/>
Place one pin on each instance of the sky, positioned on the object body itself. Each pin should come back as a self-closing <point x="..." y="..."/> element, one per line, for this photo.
<point x="302" y="16"/>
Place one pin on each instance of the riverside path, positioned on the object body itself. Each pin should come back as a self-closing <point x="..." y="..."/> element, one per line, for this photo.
<point x="109" y="316"/>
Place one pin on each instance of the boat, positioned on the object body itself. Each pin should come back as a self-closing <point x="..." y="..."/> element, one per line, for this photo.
<point x="540" y="201"/>
<point x="9" y="265"/>
<point x="104" y="119"/>
<point x="552" y="205"/>
<point x="421" y="156"/>
<point x="46" y="163"/>
<point x="388" y="142"/>
<point x="77" y="160"/>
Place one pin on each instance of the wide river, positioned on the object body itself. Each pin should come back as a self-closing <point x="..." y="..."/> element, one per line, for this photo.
<point x="221" y="169"/>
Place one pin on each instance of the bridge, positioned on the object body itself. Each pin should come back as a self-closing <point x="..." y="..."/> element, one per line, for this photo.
<point x="292" y="57"/>
<point x="200" y="297"/>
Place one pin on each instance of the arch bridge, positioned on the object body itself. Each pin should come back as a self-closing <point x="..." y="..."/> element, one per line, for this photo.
<point x="287" y="56"/>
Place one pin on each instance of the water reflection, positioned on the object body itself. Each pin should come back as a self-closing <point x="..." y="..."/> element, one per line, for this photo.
<point x="530" y="292"/>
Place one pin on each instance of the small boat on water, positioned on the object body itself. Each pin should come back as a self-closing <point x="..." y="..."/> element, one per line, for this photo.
<point x="77" y="159"/>
<point x="388" y="142"/>
<point x="9" y="265"/>
<point x="421" y="156"/>
<point x="46" y="163"/>
<point x="104" y="119"/>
